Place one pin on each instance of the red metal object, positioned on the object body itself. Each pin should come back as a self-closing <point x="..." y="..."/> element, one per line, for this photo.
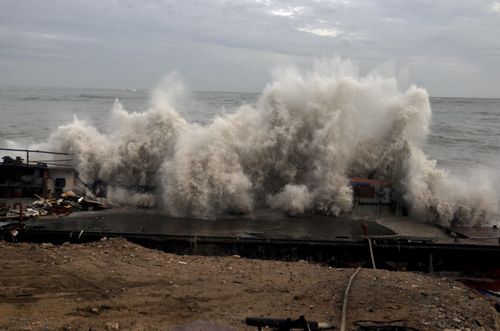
<point x="364" y="229"/>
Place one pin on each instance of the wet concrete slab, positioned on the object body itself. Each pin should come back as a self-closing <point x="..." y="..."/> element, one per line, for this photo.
<point x="259" y="225"/>
<point x="339" y="241"/>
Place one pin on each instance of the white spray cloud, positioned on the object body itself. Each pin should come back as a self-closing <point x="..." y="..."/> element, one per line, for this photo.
<point x="437" y="196"/>
<point x="129" y="156"/>
<point x="293" y="151"/>
<point x="294" y="199"/>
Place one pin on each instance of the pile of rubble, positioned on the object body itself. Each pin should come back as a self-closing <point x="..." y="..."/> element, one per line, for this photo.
<point x="3" y="209"/>
<point x="68" y="203"/>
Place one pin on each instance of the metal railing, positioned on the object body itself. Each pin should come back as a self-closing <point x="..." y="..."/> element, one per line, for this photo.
<point x="55" y="162"/>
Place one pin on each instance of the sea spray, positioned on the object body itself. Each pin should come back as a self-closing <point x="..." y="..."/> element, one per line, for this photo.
<point x="308" y="130"/>
<point x="293" y="151"/>
<point x="293" y="199"/>
<point x="128" y="157"/>
<point x="436" y="196"/>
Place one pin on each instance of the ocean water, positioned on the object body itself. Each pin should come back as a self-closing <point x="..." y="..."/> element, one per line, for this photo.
<point x="291" y="147"/>
<point x="29" y="114"/>
<point x="464" y="132"/>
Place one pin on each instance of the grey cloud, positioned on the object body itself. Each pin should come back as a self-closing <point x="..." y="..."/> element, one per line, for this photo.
<point x="213" y="43"/>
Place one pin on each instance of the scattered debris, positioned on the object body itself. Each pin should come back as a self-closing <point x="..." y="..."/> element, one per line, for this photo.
<point x="398" y="325"/>
<point x="112" y="326"/>
<point x="3" y="209"/>
<point x="202" y="325"/>
<point x="67" y="204"/>
<point x="286" y="324"/>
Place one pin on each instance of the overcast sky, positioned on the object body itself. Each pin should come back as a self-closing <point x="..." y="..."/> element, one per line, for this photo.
<point x="451" y="48"/>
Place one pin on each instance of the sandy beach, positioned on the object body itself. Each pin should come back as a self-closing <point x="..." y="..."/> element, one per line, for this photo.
<point x="117" y="285"/>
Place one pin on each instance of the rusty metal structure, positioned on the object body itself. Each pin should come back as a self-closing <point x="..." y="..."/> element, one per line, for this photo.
<point x="26" y="178"/>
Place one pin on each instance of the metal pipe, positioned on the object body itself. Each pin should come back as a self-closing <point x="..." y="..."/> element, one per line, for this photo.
<point x="20" y="213"/>
<point x="58" y="164"/>
<point x="33" y="151"/>
<point x="371" y="252"/>
<point x="63" y="160"/>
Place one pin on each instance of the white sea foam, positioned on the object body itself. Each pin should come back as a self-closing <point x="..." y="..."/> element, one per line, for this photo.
<point x="293" y="151"/>
<point x="294" y="199"/>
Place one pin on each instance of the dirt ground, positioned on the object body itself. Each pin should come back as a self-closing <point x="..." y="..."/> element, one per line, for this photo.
<point x="117" y="285"/>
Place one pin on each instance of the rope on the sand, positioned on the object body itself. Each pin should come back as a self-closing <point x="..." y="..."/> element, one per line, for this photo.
<point x="346" y="295"/>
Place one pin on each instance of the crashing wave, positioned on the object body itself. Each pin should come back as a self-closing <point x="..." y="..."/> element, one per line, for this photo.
<point x="295" y="151"/>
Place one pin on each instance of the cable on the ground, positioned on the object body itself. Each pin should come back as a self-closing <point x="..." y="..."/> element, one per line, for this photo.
<point x="346" y="295"/>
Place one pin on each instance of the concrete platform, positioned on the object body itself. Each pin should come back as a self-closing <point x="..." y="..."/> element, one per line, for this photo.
<point x="259" y="225"/>
<point x="398" y="243"/>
